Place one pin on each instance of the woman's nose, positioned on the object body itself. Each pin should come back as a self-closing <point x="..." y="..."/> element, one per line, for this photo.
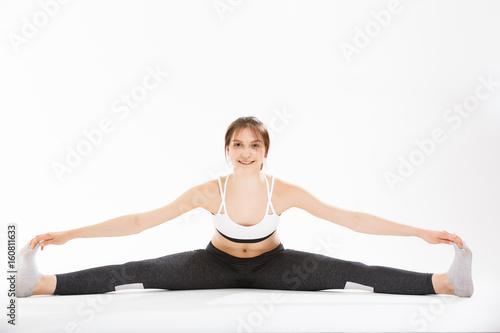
<point x="246" y="152"/>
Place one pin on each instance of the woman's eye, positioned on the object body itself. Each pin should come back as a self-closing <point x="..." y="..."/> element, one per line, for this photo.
<point x="239" y="144"/>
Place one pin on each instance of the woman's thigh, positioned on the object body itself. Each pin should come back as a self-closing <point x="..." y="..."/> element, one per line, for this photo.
<point x="298" y="270"/>
<point x="197" y="269"/>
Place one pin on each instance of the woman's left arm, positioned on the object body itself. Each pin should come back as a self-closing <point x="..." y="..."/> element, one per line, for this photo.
<point x="370" y="224"/>
<point x="359" y="221"/>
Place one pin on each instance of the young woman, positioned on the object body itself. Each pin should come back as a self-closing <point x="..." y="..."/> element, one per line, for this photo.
<point x="245" y="250"/>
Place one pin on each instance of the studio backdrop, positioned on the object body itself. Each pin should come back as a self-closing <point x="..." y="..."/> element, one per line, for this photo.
<point x="391" y="108"/>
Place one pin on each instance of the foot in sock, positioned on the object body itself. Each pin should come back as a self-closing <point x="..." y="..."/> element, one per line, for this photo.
<point x="460" y="274"/>
<point x="27" y="271"/>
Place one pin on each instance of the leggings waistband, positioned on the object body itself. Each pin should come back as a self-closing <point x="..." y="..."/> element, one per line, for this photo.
<point x="237" y="260"/>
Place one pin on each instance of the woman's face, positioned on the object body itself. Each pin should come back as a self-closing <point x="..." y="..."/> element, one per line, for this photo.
<point x="246" y="147"/>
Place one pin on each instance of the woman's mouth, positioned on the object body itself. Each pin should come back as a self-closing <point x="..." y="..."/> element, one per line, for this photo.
<point x="246" y="163"/>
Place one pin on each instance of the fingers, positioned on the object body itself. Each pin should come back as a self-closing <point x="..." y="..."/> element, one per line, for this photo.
<point x="459" y="242"/>
<point x="448" y="238"/>
<point x="33" y="243"/>
<point x="454" y="238"/>
<point x="42" y="239"/>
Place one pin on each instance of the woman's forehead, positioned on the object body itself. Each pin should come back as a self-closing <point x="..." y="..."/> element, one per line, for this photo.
<point x="246" y="134"/>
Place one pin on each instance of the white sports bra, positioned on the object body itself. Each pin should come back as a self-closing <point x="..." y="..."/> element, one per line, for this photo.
<point x="246" y="234"/>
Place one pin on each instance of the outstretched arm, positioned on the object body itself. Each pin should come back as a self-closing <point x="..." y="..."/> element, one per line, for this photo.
<point x="370" y="224"/>
<point x="133" y="223"/>
<point x="362" y="222"/>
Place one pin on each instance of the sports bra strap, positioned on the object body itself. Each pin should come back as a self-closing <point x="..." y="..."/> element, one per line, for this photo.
<point x="272" y="186"/>
<point x="220" y="188"/>
<point x="225" y="187"/>
<point x="269" y="196"/>
<point x="222" y="194"/>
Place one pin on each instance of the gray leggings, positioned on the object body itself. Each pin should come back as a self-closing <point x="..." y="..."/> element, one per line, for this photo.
<point x="211" y="268"/>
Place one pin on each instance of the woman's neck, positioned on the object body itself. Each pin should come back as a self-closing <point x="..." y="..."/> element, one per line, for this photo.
<point x="247" y="180"/>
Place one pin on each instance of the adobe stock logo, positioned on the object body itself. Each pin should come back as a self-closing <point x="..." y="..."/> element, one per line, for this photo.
<point x="31" y="28"/>
<point x="264" y="310"/>
<point x="427" y="146"/>
<point x="222" y="7"/>
<point x="363" y="37"/>
<point x="94" y="137"/>
<point x="426" y="315"/>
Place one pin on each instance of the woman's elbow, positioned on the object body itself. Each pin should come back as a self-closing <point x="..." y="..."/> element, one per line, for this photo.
<point x="354" y="221"/>
<point x="137" y="223"/>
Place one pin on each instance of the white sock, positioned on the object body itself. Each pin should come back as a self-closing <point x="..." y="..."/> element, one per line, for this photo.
<point x="27" y="271"/>
<point x="460" y="274"/>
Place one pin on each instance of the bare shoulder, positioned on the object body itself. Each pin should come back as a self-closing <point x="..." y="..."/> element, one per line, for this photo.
<point x="283" y="187"/>
<point x="289" y="195"/>
<point x="208" y="195"/>
<point x="285" y="194"/>
<point x="208" y="190"/>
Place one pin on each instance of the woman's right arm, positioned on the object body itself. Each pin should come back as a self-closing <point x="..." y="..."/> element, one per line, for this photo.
<point x="198" y="196"/>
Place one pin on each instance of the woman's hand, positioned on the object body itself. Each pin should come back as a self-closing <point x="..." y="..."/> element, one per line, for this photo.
<point x="440" y="237"/>
<point x="50" y="238"/>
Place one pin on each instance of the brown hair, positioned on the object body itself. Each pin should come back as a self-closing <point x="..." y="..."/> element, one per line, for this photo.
<point x="247" y="122"/>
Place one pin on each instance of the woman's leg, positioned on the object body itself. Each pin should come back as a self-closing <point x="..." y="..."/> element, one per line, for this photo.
<point x="195" y="269"/>
<point x="442" y="285"/>
<point x="298" y="270"/>
<point x="46" y="285"/>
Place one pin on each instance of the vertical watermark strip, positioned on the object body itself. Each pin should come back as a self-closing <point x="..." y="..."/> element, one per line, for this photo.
<point x="11" y="272"/>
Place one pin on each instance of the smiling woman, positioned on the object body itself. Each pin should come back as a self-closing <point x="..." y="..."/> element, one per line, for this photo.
<point x="245" y="250"/>
<point x="253" y="135"/>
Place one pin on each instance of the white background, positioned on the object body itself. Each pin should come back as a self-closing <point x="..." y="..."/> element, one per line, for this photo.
<point x="351" y="121"/>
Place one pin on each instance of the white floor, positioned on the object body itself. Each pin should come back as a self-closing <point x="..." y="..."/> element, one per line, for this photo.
<point x="258" y="310"/>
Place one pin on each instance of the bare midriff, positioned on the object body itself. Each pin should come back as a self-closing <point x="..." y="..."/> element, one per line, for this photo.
<point x="245" y="250"/>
